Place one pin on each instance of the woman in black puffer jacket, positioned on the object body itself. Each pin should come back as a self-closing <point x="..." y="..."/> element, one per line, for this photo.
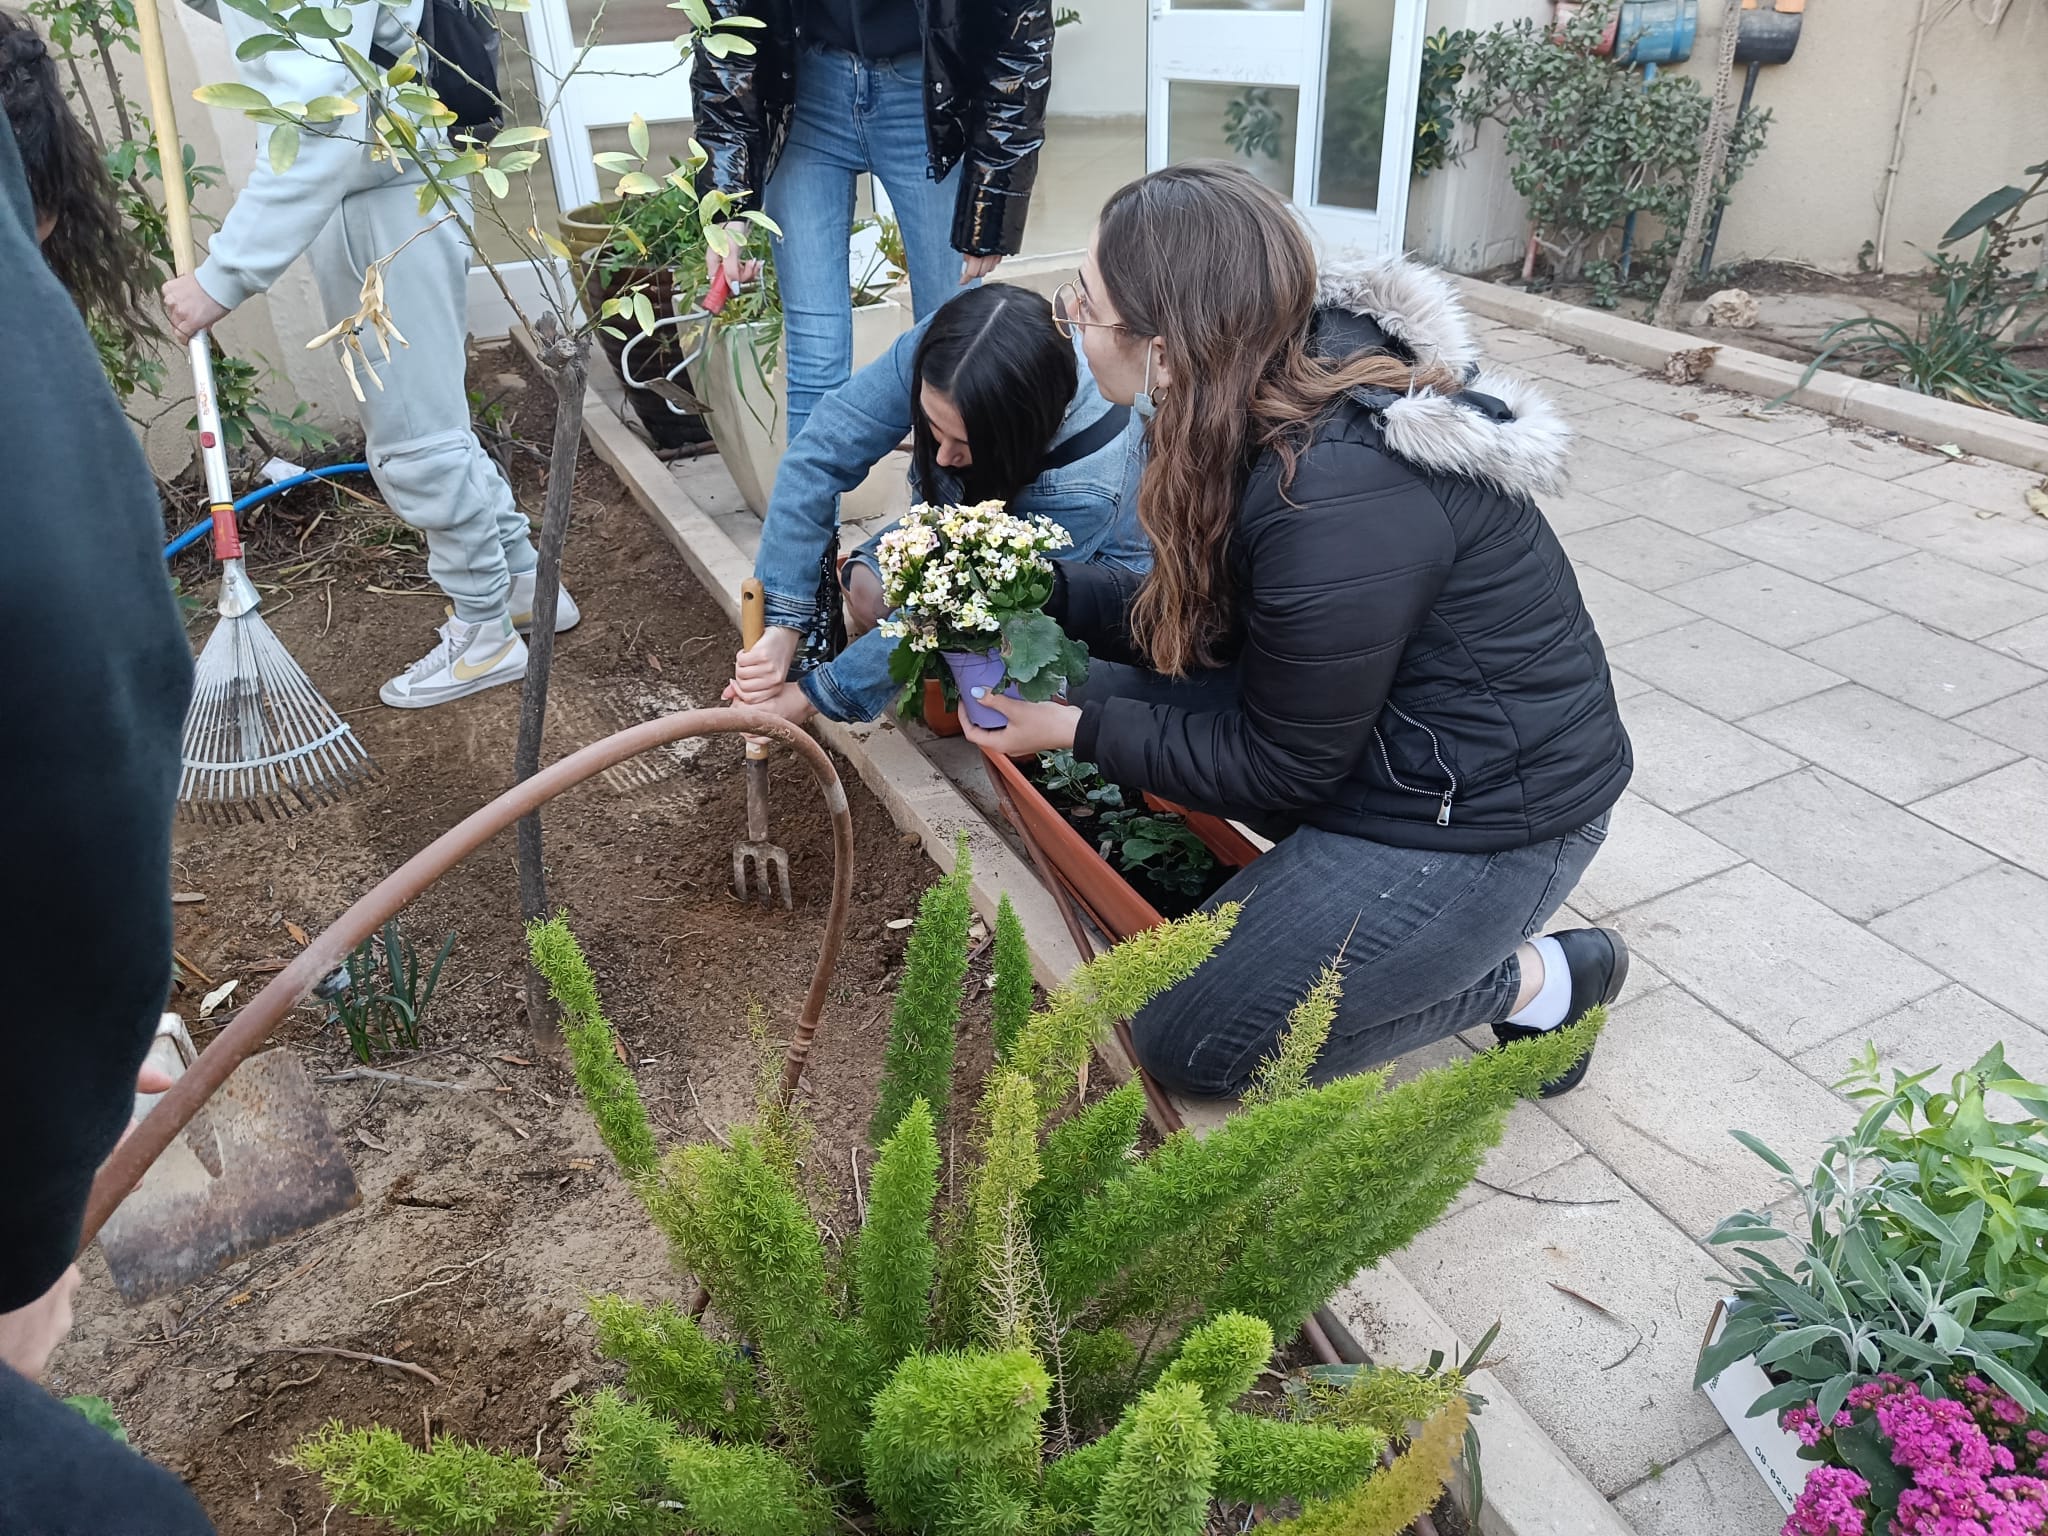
<point x="1359" y="637"/>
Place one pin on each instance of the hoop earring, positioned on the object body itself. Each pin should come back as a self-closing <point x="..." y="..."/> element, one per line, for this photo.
<point x="1142" y="402"/>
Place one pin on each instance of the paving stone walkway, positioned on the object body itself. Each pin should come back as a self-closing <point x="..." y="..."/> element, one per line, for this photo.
<point x="1832" y="654"/>
<point x="1832" y="651"/>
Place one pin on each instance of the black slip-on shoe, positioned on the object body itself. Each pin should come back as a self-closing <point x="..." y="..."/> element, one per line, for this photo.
<point x="1598" y="961"/>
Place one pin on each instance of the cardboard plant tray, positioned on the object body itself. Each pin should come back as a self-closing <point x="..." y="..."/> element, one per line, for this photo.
<point x="1774" y="1452"/>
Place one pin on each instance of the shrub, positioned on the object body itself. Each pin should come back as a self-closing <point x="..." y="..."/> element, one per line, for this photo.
<point x="1590" y="142"/>
<point x="946" y="1372"/>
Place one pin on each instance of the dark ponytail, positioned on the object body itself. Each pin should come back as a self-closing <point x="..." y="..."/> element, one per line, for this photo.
<point x="90" y="248"/>
<point x="994" y="352"/>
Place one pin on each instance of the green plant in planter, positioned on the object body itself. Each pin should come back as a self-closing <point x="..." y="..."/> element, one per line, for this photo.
<point x="1075" y="786"/>
<point x="1949" y="1152"/>
<point x="1159" y="846"/>
<point x="931" y="1374"/>
<point x="974" y="580"/>
<point x="1880" y="1280"/>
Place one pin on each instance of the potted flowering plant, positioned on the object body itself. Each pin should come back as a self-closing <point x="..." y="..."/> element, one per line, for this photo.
<point x="1902" y="1458"/>
<point x="968" y="586"/>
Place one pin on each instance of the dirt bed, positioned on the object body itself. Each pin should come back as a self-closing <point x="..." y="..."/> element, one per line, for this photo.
<point x="487" y="1216"/>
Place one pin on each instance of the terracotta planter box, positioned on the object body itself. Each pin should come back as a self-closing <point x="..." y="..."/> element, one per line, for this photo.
<point x="1077" y="871"/>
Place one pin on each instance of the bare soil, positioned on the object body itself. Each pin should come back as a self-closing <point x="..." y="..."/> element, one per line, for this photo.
<point x="488" y="1216"/>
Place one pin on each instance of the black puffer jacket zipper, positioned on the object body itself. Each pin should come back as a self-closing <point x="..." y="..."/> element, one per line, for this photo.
<point x="1443" y="815"/>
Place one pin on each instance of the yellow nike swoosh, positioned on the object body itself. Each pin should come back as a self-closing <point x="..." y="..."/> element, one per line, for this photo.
<point x="467" y="672"/>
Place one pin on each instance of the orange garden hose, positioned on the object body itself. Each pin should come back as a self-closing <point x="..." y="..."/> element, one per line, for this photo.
<point x="319" y="960"/>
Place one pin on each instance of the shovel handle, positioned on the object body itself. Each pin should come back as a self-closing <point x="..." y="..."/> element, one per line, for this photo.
<point x="753" y="624"/>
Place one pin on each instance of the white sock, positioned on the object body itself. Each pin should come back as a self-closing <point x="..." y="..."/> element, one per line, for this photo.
<point x="1546" y="1009"/>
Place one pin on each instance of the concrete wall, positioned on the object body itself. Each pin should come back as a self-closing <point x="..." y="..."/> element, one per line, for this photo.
<point x="1098" y="66"/>
<point x="1979" y="115"/>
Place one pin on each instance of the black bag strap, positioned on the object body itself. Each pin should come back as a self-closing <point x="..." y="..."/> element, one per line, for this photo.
<point x="1094" y="437"/>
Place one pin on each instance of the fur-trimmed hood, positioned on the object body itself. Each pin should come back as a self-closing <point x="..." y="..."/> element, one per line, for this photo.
<point x="1521" y="451"/>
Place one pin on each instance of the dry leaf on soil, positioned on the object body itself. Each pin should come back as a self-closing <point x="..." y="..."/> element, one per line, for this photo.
<point x="217" y="996"/>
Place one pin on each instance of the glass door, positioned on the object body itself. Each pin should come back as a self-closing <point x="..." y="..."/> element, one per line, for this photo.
<point x="1316" y="98"/>
<point x="599" y="64"/>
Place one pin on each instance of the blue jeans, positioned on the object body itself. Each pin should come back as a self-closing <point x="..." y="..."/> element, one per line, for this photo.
<point x="852" y="115"/>
<point x="1427" y="939"/>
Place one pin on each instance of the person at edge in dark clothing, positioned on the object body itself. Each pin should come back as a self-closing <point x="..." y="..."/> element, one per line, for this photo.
<point x="943" y="101"/>
<point x="1359" y="637"/>
<point x="91" y="715"/>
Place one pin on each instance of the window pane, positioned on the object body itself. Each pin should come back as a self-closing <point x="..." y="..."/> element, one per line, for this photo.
<point x="1236" y="5"/>
<point x="501" y="225"/>
<point x="625" y="21"/>
<point x="1222" y="120"/>
<point x="1355" y="103"/>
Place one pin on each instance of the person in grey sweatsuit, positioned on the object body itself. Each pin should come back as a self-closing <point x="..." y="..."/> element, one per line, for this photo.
<point x="343" y="209"/>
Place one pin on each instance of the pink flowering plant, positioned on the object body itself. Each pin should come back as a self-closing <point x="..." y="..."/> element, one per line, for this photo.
<point x="1905" y="1458"/>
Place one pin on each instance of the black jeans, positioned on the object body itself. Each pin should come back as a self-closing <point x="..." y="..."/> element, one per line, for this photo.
<point x="1427" y="939"/>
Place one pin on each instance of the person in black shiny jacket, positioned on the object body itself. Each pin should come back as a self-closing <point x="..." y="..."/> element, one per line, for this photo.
<point x="942" y="100"/>
<point x="1359" y="637"/>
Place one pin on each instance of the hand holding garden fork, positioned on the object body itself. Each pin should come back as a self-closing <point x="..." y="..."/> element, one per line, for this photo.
<point x="769" y="864"/>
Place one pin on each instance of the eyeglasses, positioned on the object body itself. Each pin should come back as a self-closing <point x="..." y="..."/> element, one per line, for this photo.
<point x="1070" y="312"/>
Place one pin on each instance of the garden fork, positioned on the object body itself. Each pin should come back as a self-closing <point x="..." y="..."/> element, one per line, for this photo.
<point x="770" y="865"/>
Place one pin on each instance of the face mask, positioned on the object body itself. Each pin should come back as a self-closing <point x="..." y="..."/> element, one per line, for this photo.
<point x="1142" y="402"/>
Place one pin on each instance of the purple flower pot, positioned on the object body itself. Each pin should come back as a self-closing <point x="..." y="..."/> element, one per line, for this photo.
<point x="972" y="670"/>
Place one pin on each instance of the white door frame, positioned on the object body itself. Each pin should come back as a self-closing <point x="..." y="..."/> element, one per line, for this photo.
<point x="1289" y="48"/>
<point x="613" y="83"/>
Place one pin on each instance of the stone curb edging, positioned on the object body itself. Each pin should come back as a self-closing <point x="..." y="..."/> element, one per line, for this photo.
<point x="1924" y="418"/>
<point x="1532" y="1488"/>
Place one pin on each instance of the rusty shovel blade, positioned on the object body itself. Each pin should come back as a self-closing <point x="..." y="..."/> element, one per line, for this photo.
<point x="257" y="1164"/>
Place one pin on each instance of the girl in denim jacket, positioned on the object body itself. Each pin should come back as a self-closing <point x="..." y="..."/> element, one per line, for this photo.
<point x="999" y="406"/>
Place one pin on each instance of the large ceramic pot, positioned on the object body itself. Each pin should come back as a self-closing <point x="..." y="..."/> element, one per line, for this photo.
<point x="585" y="229"/>
<point x="749" y="422"/>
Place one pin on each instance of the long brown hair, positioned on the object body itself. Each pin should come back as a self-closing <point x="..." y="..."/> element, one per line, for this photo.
<point x="90" y="249"/>
<point x="1211" y="261"/>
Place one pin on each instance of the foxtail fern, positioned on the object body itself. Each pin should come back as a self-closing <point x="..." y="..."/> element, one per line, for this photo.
<point x="1012" y="996"/>
<point x="896" y="1260"/>
<point x="1165" y="1473"/>
<point x="919" y="1063"/>
<point x="608" y="1088"/>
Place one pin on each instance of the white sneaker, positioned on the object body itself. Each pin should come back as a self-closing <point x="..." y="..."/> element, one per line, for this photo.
<point x="567" y="614"/>
<point x="469" y="659"/>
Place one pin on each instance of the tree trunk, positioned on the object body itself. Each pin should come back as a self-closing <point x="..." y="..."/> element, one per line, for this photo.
<point x="565" y="360"/>
<point x="1713" y="156"/>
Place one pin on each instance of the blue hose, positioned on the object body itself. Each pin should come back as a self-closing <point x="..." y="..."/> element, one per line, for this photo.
<point x="199" y="530"/>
